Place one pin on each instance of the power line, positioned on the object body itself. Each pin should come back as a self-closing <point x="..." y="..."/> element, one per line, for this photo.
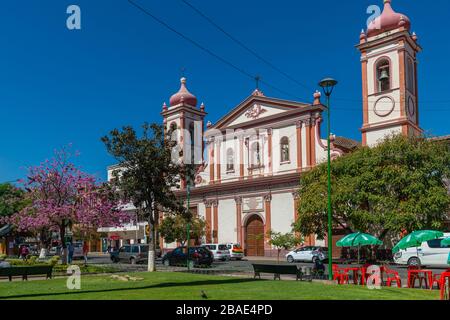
<point x="237" y="68"/>
<point x="203" y="48"/>
<point x="242" y="45"/>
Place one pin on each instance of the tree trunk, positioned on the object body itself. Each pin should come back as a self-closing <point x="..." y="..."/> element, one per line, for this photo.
<point x="151" y="240"/>
<point x="62" y="235"/>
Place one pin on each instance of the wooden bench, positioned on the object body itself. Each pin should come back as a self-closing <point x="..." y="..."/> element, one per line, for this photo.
<point x="25" y="271"/>
<point x="277" y="270"/>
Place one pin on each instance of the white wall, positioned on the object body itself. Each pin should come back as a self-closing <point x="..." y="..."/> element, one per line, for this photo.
<point x="282" y="210"/>
<point x="376" y="136"/>
<point x="227" y="221"/>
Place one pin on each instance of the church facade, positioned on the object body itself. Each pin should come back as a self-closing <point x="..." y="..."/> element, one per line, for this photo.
<point x="252" y="159"/>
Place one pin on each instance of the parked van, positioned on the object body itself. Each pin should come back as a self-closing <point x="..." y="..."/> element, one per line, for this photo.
<point x="431" y="253"/>
<point x="220" y="251"/>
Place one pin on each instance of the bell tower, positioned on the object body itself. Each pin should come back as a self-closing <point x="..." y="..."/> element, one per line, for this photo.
<point x="184" y="122"/>
<point x="389" y="77"/>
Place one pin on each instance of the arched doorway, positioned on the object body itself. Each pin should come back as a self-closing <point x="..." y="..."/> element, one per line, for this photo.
<point x="254" y="236"/>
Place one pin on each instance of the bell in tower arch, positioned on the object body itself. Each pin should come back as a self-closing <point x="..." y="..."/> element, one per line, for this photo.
<point x="384" y="75"/>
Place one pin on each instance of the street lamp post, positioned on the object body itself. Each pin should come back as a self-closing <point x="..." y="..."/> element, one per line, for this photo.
<point x="188" y="193"/>
<point x="327" y="87"/>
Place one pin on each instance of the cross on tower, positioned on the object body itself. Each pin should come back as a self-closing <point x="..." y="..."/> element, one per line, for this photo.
<point x="257" y="80"/>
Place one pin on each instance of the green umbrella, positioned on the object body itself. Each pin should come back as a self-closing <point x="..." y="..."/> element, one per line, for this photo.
<point x="415" y="239"/>
<point x="446" y="242"/>
<point x="358" y="239"/>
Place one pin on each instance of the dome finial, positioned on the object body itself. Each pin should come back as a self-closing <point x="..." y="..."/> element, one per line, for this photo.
<point x="388" y="20"/>
<point x="183" y="96"/>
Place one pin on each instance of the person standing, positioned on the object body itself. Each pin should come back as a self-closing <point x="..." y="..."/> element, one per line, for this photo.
<point x="85" y="251"/>
<point x="70" y="249"/>
<point x="24" y="252"/>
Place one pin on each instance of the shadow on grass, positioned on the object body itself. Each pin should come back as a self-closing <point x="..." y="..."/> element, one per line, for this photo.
<point x="155" y="286"/>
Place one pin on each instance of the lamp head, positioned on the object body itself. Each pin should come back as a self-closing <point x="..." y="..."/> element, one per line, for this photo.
<point x="327" y="85"/>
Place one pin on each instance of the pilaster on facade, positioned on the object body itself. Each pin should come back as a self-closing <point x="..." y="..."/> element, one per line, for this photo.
<point x="208" y="218"/>
<point x="269" y="147"/>
<point x="218" y="145"/>
<point x="239" y="226"/>
<point x="241" y="158"/>
<point x="299" y="127"/>
<point x="268" y="217"/>
<point x="215" y="205"/>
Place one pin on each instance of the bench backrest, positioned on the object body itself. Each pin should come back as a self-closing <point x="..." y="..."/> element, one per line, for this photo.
<point x="25" y="270"/>
<point x="278" y="269"/>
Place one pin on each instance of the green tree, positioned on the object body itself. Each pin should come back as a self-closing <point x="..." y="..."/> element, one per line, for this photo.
<point x="397" y="186"/>
<point x="12" y="200"/>
<point x="173" y="228"/>
<point x="283" y="241"/>
<point x="146" y="175"/>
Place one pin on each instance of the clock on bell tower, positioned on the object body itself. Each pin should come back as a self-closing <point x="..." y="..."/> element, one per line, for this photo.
<point x="389" y="77"/>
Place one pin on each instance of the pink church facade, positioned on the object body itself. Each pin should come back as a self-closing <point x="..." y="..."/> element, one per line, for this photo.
<point x="253" y="157"/>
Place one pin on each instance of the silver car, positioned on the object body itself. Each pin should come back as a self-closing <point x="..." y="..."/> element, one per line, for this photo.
<point x="133" y="253"/>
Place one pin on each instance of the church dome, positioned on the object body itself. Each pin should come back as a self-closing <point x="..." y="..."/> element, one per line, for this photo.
<point x="183" y="96"/>
<point x="388" y="20"/>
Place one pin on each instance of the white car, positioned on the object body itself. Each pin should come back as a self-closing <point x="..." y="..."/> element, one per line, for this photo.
<point x="236" y="251"/>
<point x="220" y="251"/>
<point x="308" y="254"/>
<point x="431" y="253"/>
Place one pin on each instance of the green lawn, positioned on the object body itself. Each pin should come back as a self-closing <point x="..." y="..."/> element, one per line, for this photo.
<point x="182" y="286"/>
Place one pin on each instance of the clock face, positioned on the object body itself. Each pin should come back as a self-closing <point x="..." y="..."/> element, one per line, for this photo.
<point x="384" y="106"/>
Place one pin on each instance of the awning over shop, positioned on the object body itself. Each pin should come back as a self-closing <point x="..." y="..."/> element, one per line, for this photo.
<point x="5" y="230"/>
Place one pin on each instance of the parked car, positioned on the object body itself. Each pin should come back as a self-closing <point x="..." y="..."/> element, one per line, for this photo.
<point x="198" y="255"/>
<point x="236" y="251"/>
<point x="78" y="250"/>
<point x="220" y="251"/>
<point x="308" y="254"/>
<point x="132" y="253"/>
<point x="431" y="253"/>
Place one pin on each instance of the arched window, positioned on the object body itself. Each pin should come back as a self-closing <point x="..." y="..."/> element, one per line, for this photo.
<point x="230" y="160"/>
<point x="410" y="75"/>
<point x="256" y="155"/>
<point x="284" y="149"/>
<point x="383" y="74"/>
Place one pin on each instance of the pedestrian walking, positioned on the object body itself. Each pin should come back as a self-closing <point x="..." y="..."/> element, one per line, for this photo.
<point x="85" y="251"/>
<point x="70" y="249"/>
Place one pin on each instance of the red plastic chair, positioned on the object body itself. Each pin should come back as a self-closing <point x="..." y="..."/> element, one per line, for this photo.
<point x="415" y="276"/>
<point x="392" y="276"/>
<point x="437" y="280"/>
<point x="340" y="275"/>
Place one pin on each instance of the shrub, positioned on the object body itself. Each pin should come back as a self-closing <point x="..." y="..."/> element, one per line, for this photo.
<point x="2" y="257"/>
<point x="54" y="260"/>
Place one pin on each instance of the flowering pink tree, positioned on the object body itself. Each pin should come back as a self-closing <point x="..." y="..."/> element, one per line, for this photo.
<point x="62" y="196"/>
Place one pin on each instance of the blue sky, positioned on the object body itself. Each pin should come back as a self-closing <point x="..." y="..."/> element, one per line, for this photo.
<point x="59" y="86"/>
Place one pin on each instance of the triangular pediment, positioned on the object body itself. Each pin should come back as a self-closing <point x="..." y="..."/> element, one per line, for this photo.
<point x="255" y="108"/>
